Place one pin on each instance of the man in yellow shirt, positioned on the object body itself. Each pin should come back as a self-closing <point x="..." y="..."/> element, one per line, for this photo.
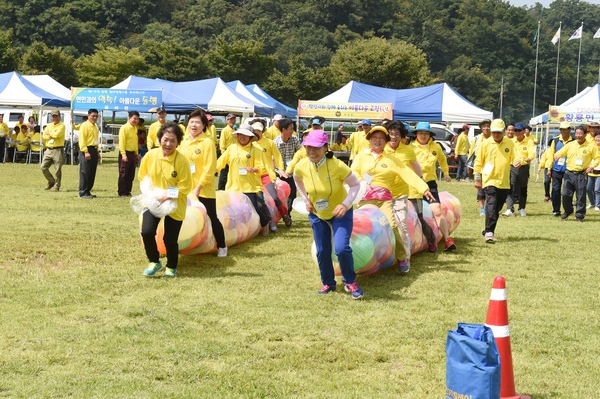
<point x="151" y="138"/>
<point x="128" y="154"/>
<point x="582" y="157"/>
<point x="88" y="154"/>
<point x="593" y="127"/>
<point x="54" y="136"/>
<point x="211" y="130"/>
<point x="556" y="169"/>
<point x="484" y="125"/>
<point x="519" y="177"/>
<point x="358" y="139"/>
<point x="274" y="131"/>
<point x="492" y="173"/>
<point x="4" y="134"/>
<point x="462" y="152"/>
<point x="225" y="140"/>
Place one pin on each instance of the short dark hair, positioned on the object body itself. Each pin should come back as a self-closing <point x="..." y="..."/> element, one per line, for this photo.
<point x="92" y="110"/>
<point x="285" y="123"/>
<point x="199" y="112"/>
<point x="580" y="127"/>
<point x="134" y="113"/>
<point x="170" y="127"/>
<point x="17" y="129"/>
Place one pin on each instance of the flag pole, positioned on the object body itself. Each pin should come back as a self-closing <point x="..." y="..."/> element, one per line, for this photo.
<point x="537" y="48"/>
<point x="557" y="60"/>
<point x="579" y="59"/>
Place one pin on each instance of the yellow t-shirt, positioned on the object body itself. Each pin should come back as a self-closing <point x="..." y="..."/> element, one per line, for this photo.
<point x="273" y="132"/>
<point x="272" y="154"/>
<point x="324" y="182"/>
<point x="22" y="141"/>
<point x="428" y="155"/>
<point x="238" y="158"/>
<point x="88" y="136"/>
<point x="298" y="156"/>
<point x="226" y="139"/>
<point x="202" y="154"/>
<point x="462" y="144"/>
<point x="579" y="156"/>
<point x="35" y="142"/>
<point x="4" y="130"/>
<point x="358" y="141"/>
<point x="54" y="135"/>
<point x="128" y="140"/>
<point x="152" y="137"/>
<point x="493" y="162"/>
<point x="173" y="171"/>
<point x="524" y="149"/>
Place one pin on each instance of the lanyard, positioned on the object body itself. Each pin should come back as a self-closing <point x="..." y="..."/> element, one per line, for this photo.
<point x="316" y="165"/>
<point x="174" y="168"/>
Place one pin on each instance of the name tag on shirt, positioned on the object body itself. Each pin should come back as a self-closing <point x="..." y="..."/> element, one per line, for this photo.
<point x="243" y="172"/>
<point x="95" y="142"/>
<point x="561" y="161"/>
<point x="322" y="204"/>
<point x="578" y="161"/>
<point x="368" y="178"/>
<point x="193" y="168"/>
<point x="488" y="168"/>
<point x="51" y="141"/>
<point x="172" y="192"/>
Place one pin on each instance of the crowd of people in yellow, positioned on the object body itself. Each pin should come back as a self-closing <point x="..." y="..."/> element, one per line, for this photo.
<point x="397" y="164"/>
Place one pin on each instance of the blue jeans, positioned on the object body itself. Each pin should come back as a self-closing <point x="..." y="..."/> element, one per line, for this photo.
<point x="593" y="190"/>
<point x="342" y="229"/>
<point x="461" y="172"/>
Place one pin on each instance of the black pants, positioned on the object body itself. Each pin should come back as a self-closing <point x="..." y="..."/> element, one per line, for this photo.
<point x="426" y="228"/>
<point x="495" y="199"/>
<point x="87" y="171"/>
<point x="223" y="178"/>
<point x="290" y="200"/>
<point x="258" y="201"/>
<point x="211" y="210"/>
<point x="557" y="180"/>
<point x="519" y="177"/>
<point x="575" y="183"/>
<point x="126" y="173"/>
<point x="2" y="148"/>
<point x="170" y="237"/>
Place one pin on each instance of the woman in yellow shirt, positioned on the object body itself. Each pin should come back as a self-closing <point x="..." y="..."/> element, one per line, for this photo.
<point x="320" y="179"/>
<point x="168" y="169"/>
<point x="429" y="154"/>
<point x="381" y="171"/>
<point x="199" y="149"/>
<point x="268" y="176"/>
<point x="246" y="161"/>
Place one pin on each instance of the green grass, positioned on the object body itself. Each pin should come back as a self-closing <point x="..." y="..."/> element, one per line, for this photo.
<point x="78" y="319"/>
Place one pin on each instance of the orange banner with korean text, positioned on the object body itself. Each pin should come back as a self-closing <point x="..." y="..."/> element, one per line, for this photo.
<point x="331" y="110"/>
<point x="558" y="114"/>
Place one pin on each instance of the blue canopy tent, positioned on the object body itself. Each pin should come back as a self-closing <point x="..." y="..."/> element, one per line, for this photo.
<point x="436" y="103"/>
<point x="213" y="95"/>
<point x="278" y="107"/>
<point x="16" y="91"/>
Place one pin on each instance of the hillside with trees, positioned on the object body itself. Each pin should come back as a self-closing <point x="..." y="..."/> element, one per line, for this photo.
<point x="307" y="49"/>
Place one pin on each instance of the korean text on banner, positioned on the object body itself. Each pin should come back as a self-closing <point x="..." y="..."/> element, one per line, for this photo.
<point x="115" y="99"/>
<point x="329" y="110"/>
<point x="573" y="115"/>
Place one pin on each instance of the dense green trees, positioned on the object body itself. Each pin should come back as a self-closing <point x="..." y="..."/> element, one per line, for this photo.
<point x="306" y="49"/>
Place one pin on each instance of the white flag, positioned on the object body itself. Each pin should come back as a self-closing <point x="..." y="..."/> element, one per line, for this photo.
<point x="597" y="34"/>
<point x="556" y="37"/>
<point x="577" y="33"/>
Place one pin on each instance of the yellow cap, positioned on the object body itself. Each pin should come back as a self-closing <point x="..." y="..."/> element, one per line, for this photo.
<point x="497" y="126"/>
<point x="565" y="125"/>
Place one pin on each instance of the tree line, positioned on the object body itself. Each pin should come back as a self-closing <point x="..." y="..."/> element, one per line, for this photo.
<point x="307" y="49"/>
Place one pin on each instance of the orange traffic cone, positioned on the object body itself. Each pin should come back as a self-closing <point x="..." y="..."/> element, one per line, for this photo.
<point x="497" y="320"/>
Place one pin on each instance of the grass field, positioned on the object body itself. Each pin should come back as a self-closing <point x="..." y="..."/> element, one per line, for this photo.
<point x="79" y="320"/>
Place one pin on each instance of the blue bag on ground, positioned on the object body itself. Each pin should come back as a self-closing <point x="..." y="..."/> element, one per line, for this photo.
<point x="472" y="363"/>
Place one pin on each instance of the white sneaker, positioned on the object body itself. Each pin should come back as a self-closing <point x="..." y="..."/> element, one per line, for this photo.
<point x="508" y="213"/>
<point x="522" y="212"/>
<point x="222" y="252"/>
<point x="489" y="237"/>
<point x="590" y="206"/>
<point x="597" y="209"/>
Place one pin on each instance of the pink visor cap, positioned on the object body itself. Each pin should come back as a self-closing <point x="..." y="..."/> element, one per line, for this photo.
<point x="316" y="138"/>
